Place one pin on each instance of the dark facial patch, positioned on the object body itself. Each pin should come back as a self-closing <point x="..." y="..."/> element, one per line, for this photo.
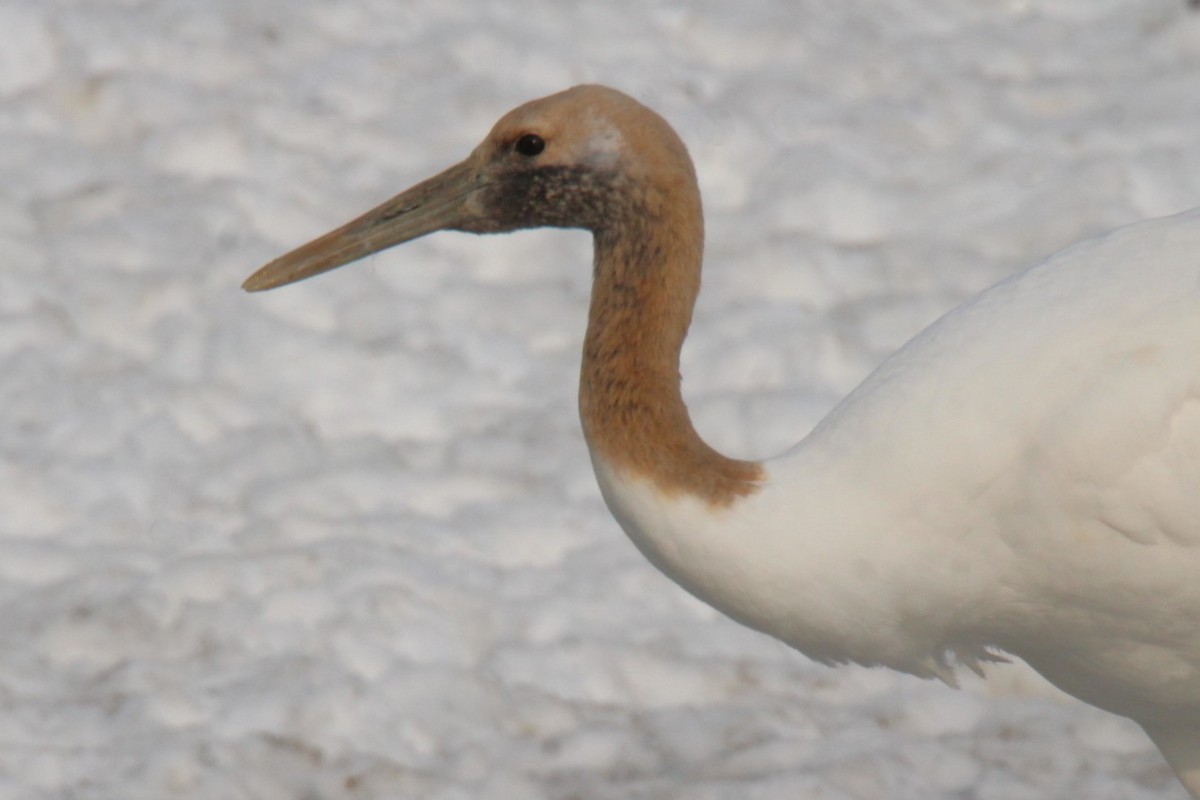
<point x="553" y="196"/>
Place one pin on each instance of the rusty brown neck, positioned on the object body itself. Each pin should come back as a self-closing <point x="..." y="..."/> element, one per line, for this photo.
<point x="647" y="276"/>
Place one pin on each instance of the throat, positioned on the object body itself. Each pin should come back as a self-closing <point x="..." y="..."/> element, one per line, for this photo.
<point x="647" y="276"/>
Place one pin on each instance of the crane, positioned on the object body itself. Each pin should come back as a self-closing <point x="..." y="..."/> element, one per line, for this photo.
<point x="1022" y="478"/>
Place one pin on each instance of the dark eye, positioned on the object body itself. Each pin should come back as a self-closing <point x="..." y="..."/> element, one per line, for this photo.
<point x="530" y="144"/>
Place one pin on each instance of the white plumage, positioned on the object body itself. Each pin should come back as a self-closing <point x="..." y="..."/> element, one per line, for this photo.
<point x="1023" y="477"/>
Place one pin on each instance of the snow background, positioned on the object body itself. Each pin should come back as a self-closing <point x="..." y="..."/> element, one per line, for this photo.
<point x="342" y="540"/>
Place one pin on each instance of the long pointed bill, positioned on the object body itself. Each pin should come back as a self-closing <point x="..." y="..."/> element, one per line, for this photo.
<point x="433" y="205"/>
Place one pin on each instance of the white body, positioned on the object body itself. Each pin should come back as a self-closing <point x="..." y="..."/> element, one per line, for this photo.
<point x="1023" y="475"/>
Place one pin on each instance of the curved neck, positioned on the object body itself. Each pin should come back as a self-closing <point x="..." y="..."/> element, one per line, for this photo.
<point x="647" y="276"/>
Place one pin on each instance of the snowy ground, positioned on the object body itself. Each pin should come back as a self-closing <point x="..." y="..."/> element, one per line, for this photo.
<point x="342" y="540"/>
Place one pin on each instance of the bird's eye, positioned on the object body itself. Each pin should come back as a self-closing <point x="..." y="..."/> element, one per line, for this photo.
<point x="530" y="144"/>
